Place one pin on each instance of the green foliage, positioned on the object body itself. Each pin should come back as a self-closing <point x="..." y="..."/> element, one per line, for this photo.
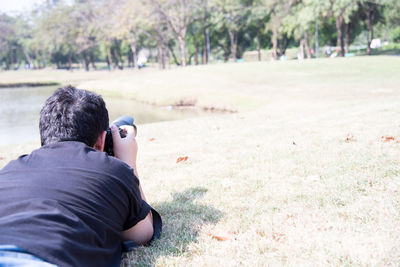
<point x="65" y="33"/>
<point x="395" y="35"/>
<point x="7" y="40"/>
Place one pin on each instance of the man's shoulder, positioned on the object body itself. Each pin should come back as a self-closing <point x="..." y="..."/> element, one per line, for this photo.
<point x="78" y="154"/>
<point x="70" y="155"/>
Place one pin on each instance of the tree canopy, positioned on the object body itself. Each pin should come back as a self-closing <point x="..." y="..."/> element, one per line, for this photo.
<point x="182" y="32"/>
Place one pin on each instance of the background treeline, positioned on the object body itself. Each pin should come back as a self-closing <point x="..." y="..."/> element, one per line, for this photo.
<point x="112" y="33"/>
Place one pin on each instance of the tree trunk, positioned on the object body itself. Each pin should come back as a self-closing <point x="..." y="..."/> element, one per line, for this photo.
<point x="117" y="60"/>
<point x="45" y="60"/>
<point x="347" y="37"/>
<point x="196" y="56"/>
<point x="226" y="55"/>
<point x="306" y="46"/>
<point x="316" y="39"/>
<point x="206" y="46"/>
<point x="37" y="56"/>
<point x="259" y="43"/>
<point x="205" y="54"/>
<point x="283" y="46"/>
<point x="109" y="57"/>
<point x="274" y="43"/>
<point x="233" y="38"/>
<point x="171" y="50"/>
<point x="69" y="61"/>
<point x="370" y="22"/>
<point x="189" y="60"/>
<point x="129" y="57"/>
<point x="134" y="53"/>
<point x="339" y="23"/>
<point x="28" y="58"/>
<point x="85" y="61"/>
<point x="92" y="60"/>
<point x="7" y="63"/>
<point x="302" y="49"/>
<point x="167" y="57"/>
<point x="160" y="55"/>
<point x="182" y="45"/>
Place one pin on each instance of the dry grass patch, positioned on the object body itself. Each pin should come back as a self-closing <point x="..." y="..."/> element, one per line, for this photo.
<point x="322" y="201"/>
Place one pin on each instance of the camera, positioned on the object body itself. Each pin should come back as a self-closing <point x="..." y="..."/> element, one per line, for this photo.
<point x="124" y="120"/>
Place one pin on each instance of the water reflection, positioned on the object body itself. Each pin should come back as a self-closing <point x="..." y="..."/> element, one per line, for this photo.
<point x="20" y="107"/>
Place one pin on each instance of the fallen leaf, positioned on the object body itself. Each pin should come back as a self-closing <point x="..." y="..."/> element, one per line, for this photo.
<point x="260" y="232"/>
<point x="220" y="235"/>
<point x="294" y="143"/>
<point x="182" y="159"/>
<point x="349" y="137"/>
<point x="1" y="158"/>
<point x="277" y="236"/>
<point x="387" y="138"/>
<point x="152" y="139"/>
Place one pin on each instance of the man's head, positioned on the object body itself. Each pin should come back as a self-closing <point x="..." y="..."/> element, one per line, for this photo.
<point x="71" y="114"/>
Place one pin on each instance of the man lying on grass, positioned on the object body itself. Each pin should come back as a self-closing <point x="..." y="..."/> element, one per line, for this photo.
<point x="68" y="203"/>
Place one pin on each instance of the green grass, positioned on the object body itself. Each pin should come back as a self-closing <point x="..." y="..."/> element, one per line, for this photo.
<point x="277" y="178"/>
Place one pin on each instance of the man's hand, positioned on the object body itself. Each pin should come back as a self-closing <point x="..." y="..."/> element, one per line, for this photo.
<point x="125" y="148"/>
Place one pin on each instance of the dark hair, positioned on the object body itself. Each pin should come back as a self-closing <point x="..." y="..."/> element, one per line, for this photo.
<point x="72" y="114"/>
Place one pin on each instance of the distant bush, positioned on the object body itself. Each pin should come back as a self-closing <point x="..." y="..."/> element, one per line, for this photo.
<point x="395" y="35"/>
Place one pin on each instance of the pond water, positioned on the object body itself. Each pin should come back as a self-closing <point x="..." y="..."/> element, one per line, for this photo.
<point x="20" y="108"/>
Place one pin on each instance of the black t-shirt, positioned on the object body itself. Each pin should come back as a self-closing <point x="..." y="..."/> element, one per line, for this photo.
<point x="68" y="204"/>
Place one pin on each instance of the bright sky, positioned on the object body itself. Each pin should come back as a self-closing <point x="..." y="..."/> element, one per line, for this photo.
<point x="17" y="6"/>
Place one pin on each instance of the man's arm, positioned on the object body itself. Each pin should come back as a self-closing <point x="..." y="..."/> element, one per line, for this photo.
<point x="126" y="149"/>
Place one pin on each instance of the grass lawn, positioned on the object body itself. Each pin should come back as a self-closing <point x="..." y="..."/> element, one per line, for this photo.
<point x="300" y="175"/>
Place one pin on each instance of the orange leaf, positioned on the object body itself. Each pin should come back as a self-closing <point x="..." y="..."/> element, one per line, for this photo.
<point x="277" y="236"/>
<point x="349" y="137"/>
<point x="182" y="159"/>
<point x="387" y="138"/>
<point x="152" y="139"/>
<point x="220" y="236"/>
<point x="1" y="158"/>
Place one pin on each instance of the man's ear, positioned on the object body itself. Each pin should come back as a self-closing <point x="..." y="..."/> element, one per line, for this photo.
<point x="99" y="145"/>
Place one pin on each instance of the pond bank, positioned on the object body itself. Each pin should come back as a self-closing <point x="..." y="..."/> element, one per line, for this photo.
<point x="28" y="84"/>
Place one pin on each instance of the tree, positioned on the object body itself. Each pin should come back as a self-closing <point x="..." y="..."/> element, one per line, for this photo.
<point x="391" y="14"/>
<point x="7" y="40"/>
<point x="179" y="15"/>
<point x="69" y="31"/>
<point x="300" y="22"/>
<point x="372" y="12"/>
<point x="205" y="17"/>
<point x="342" y="11"/>
<point x="258" y="17"/>
<point x="231" y="14"/>
<point x="158" y="30"/>
<point x="104" y="19"/>
<point x="132" y="25"/>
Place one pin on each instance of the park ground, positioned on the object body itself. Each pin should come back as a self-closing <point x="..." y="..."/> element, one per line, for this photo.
<point x="299" y="164"/>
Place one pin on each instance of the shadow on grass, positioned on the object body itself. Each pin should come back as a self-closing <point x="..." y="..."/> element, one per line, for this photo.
<point x="182" y="221"/>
